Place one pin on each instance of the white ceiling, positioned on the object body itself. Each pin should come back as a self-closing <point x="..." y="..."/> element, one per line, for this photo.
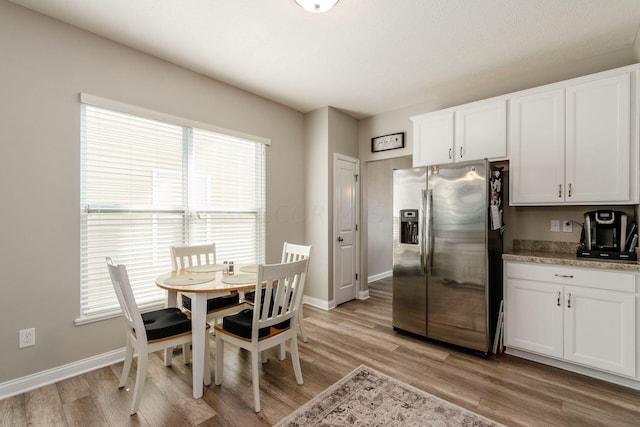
<point x="364" y="57"/>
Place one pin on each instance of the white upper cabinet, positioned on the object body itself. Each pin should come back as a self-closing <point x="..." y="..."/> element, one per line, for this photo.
<point x="468" y="132"/>
<point x="481" y="131"/>
<point x="433" y="139"/>
<point x="536" y="138"/>
<point x="597" y="145"/>
<point x="572" y="144"/>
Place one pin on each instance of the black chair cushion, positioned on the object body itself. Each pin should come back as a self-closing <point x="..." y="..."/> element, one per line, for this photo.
<point x="250" y="296"/>
<point x="165" y="323"/>
<point x="215" y="303"/>
<point x="240" y="324"/>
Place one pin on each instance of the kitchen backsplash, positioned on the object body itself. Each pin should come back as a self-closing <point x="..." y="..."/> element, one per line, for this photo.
<point x="545" y="246"/>
<point x="532" y="224"/>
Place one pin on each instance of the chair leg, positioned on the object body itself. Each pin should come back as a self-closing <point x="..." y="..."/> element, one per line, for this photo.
<point x="219" y="359"/>
<point x="255" y="366"/>
<point x="295" y="359"/>
<point x="301" y="323"/>
<point x="128" y="357"/>
<point x="207" y="362"/>
<point x="186" y="353"/>
<point x="214" y="322"/>
<point x="283" y="350"/>
<point x="141" y="375"/>
<point x="168" y="354"/>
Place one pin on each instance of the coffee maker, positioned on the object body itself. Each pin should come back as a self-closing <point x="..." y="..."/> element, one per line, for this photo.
<point x="608" y="234"/>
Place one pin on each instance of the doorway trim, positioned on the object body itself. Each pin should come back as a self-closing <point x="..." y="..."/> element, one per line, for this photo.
<point x="358" y="293"/>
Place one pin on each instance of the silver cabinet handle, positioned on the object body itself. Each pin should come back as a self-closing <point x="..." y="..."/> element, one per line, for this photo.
<point x="449" y="153"/>
<point x="340" y="239"/>
<point x="559" y="294"/>
<point x="460" y="152"/>
<point x="569" y="300"/>
<point x="569" y="193"/>
<point x="559" y="190"/>
<point x="566" y="276"/>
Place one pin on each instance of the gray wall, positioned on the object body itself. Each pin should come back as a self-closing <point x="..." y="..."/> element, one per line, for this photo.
<point x="317" y="201"/>
<point x="45" y="65"/>
<point x="327" y="131"/>
<point x="379" y="213"/>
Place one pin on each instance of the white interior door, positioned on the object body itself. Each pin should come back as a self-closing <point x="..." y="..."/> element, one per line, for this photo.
<point x="345" y="213"/>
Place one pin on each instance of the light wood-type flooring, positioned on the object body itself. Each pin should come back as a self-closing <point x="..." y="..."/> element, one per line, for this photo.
<point x="504" y="388"/>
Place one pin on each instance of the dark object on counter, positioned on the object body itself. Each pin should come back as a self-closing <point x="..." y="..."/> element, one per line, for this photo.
<point x="610" y="255"/>
<point x="605" y="230"/>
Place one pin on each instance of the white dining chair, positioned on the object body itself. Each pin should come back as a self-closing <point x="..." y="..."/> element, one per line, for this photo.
<point x="272" y="320"/>
<point x="148" y="332"/>
<point x="291" y="252"/>
<point x="185" y="257"/>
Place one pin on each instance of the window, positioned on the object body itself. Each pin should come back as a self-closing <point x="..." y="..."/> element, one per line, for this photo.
<point x="148" y="184"/>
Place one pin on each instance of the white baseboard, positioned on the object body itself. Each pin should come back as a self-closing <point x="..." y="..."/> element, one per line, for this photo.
<point x="50" y="376"/>
<point x="318" y="303"/>
<point x="379" y="276"/>
<point x="363" y="294"/>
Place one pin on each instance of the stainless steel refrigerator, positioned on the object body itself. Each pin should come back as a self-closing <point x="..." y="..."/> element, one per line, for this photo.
<point x="447" y="268"/>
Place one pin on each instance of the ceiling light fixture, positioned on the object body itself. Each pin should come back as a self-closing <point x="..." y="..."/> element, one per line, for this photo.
<point x="316" y="6"/>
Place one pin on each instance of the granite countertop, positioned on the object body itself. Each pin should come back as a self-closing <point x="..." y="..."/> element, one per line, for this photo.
<point x="561" y="253"/>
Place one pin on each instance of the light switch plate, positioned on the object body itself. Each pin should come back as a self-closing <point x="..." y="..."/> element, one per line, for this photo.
<point x="555" y="225"/>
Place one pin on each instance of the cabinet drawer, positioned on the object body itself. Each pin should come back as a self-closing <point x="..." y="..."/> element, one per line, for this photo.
<point x="591" y="278"/>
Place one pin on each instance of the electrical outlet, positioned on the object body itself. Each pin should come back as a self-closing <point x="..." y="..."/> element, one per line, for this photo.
<point x="567" y="226"/>
<point x="555" y="225"/>
<point x="27" y="337"/>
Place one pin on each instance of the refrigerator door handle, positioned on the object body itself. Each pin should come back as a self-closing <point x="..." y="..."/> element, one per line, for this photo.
<point x="427" y="235"/>
<point x="423" y="234"/>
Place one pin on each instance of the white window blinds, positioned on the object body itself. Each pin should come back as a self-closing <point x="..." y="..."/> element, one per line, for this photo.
<point x="147" y="185"/>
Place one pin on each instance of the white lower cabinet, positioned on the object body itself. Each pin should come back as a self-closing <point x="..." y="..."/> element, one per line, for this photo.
<point x="533" y="321"/>
<point x="577" y="315"/>
<point x="599" y="329"/>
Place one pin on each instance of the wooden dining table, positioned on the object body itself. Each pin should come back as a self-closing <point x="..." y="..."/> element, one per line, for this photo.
<point x="200" y="283"/>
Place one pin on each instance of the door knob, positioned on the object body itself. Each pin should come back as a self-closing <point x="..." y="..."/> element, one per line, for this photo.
<point x="340" y="239"/>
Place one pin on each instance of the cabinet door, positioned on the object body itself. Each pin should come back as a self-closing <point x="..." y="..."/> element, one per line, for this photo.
<point x="481" y="131"/>
<point x="433" y="139"/>
<point x="598" y="144"/>
<point x="600" y="329"/>
<point x="534" y="317"/>
<point x="536" y="148"/>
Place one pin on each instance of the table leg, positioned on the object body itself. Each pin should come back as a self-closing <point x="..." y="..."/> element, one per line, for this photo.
<point x="172" y="301"/>
<point x="199" y="335"/>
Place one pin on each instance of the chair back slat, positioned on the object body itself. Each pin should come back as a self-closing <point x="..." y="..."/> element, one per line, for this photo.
<point x="294" y="252"/>
<point x="283" y="286"/>
<point x="124" y="292"/>
<point x="191" y="256"/>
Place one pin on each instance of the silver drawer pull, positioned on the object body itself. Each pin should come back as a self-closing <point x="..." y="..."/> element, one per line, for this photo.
<point x="558" y="303"/>
<point x="566" y="276"/>
<point x="569" y="300"/>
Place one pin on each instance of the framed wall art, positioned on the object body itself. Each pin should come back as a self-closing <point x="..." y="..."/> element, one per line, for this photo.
<point x="387" y="142"/>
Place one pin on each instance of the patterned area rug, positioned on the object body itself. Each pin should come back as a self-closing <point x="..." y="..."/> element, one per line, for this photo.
<point x="366" y="397"/>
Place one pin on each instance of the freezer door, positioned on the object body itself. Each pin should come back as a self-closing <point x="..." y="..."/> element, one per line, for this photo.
<point x="409" y="280"/>
<point x="457" y="291"/>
